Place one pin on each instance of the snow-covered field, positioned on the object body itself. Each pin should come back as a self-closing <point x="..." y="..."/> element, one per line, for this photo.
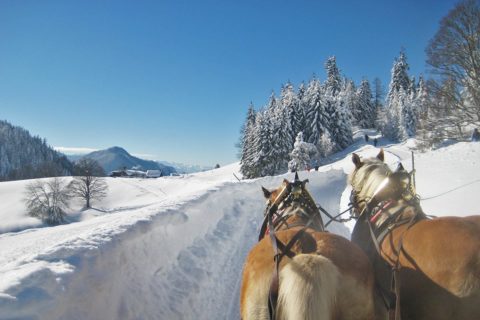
<point x="173" y="248"/>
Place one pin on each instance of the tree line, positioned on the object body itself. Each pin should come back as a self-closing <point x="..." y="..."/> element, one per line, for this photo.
<point x="318" y="118"/>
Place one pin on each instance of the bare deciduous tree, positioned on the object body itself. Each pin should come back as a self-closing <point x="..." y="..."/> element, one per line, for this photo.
<point x="454" y="56"/>
<point x="47" y="200"/>
<point x="88" y="183"/>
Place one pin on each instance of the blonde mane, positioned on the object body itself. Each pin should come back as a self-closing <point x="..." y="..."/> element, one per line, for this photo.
<point x="366" y="179"/>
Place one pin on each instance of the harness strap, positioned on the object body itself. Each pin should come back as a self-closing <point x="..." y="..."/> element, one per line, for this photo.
<point x="394" y="313"/>
<point x="335" y="218"/>
<point x="274" y="283"/>
<point x="286" y="250"/>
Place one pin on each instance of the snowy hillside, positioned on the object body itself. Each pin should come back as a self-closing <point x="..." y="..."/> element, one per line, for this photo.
<point x="173" y="248"/>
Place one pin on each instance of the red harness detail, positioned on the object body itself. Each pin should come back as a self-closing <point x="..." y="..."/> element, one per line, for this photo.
<point x="380" y="210"/>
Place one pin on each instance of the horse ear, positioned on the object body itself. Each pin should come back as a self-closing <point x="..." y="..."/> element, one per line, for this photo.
<point x="266" y="193"/>
<point x="304" y="182"/>
<point x="400" y="167"/>
<point x="381" y="155"/>
<point x="286" y="182"/>
<point x="356" y="160"/>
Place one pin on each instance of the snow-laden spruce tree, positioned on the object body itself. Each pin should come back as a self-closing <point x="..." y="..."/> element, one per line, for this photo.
<point x="398" y="101"/>
<point x="394" y="128"/>
<point x="367" y="113"/>
<point x="400" y="78"/>
<point x="247" y="156"/>
<point x="281" y="139"/>
<point x="291" y="103"/>
<point x="317" y="117"/>
<point x="301" y="154"/>
<point x="262" y="145"/>
<point x="410" y="113"/>
<point x="337" y="116"/>
<point x="340" y="126"/>
<point x="302" y="106"/>
<point x="333" y="84"/>
<point x="325" y="147"/>
<point x="351" y="102"/>
<point x="422" y="96"/>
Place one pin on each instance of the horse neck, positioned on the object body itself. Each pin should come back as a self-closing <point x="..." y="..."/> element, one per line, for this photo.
<point x="361" y="236"/>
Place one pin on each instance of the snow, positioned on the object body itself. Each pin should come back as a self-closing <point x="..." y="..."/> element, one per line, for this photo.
<point x="173" y="247"/>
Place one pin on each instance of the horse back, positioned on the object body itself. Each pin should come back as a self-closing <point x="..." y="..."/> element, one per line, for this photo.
<point x="446" y="250"/>
<point x="336" y="257"/>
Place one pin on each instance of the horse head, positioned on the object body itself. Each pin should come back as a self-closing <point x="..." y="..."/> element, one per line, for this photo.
<point x="373" y="181"/>
<point x="292" y="202"/>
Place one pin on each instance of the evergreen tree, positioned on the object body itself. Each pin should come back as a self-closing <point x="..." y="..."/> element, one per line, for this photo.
<point x="352" y="102"/>
<point x="340" y="126"/>
<point x="281" y="130"/>
<point x="332" y="88"/>
<point x="422" y="96"/>
<point x="367" y="115"/>
<point x="410" y="114"/>
<point x="302" y="107"/>
<point x="378" y="93"/>
<point x="400" y="79"/>
<point x="333" y="84"/>
<point x="325" y="147"/>
<point x="378" y="103"/>
<point x="399" y="102"/>
<point x="247" y="160"/>
<point x="262" y="147"/>
<point x="301" y="154"/>
<point x="394" y="127"/>
<point x="413" y="86"/>
<point x="317" y="117"/>
<point x="290" y="102"/>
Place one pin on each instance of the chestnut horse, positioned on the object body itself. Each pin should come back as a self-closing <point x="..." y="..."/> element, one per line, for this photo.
<point x="320" y="275"/>
<point x="434" y="264"/>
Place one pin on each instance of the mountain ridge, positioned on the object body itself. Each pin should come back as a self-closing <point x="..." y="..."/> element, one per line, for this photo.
<point x="117" y="158"/>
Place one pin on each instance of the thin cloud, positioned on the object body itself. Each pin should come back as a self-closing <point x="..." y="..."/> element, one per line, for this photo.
<point x="74" y="150"/>
<point x="145" y="156"/>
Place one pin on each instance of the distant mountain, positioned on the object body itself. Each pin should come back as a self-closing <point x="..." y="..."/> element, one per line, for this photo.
<point x="186" y="168"/>
<point x="117" y="158"/>
<point x="23" y="156"/>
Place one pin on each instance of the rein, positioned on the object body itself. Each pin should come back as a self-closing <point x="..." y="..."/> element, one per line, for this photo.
<point x="335" y="218"/>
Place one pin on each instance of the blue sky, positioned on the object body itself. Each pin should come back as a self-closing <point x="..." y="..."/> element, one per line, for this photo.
<point x="173" y="79"/>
